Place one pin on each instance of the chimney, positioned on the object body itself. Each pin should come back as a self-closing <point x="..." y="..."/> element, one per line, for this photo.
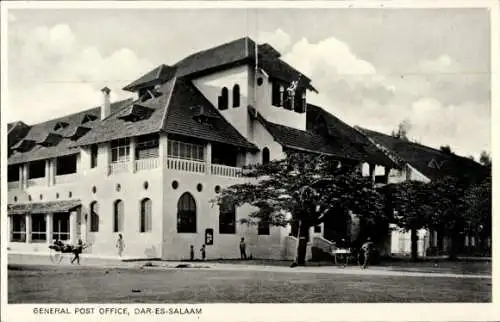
<point x="106" y="105"/>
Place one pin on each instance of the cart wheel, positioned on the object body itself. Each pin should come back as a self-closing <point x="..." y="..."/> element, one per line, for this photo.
<point x="55" y="256"/>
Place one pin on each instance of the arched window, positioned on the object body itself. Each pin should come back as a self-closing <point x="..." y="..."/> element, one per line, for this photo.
<point x="227" y="219"/>
<point x="94" y="217"/>
<point x="265" y="156"/>
<point x="236" y="95"/>
<point x="118" y="216"/>
<point x="186" y="214"/>
<point x="223" y="99"/>
<point x="146" y="216"/>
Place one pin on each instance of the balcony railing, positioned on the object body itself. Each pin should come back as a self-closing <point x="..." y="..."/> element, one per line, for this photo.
<point x="36" y="182"/>
<point x="65" y="178"/>
<point x="185" y="165"/>
<point x="13" y="185"/>
<point x="146" y="164"/>
<point x="119" y="167"/>
<point x="226" y="171"/>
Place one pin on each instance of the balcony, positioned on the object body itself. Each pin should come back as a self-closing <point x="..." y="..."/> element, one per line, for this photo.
<point x="13" y="185"/>
<point x="37" y="182"/>
<point x="225" y="171"/>
<point x="185" y="165"/>
<point x="65" y="178"/>
<point x="146" y="164"/>
<point x="119" y="167"/>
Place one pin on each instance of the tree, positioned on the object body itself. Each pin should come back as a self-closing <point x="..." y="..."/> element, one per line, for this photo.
<point x="446" y="149"/>
<point x="402" y="131"/>
<point x="485" y="159"/>
<point x="307" y="187"/>
<point x="409" y="202"/>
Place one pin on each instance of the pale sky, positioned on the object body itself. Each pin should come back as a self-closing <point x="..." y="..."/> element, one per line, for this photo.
<point x="372" y="67"/>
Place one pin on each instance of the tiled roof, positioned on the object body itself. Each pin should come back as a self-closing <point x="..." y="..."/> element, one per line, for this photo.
<point x="239" y="51"/>
<point x="308" y="141"/>
<point x="43" y="207"/>
<point x="351" y="140"/>
<point x="183" y="109"/>
<point x="39" y="132"/>
<point x="16" y="132"/>
<point x="430" y="162"/>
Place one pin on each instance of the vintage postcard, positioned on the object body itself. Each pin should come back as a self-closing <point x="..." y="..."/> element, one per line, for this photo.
<point x="246" y="160"/>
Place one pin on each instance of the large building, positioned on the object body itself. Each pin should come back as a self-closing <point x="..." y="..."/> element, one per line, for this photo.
<point x="149" y="167"/>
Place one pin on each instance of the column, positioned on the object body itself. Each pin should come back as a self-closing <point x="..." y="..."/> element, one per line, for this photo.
<point x="52" y="172"/>
<point x="21" y="176"/>
<point x="163" y="150"/>
<point x="28" y="228"/>
<point x="9" y="228"/>
<point x="47" y="172"/>
<point x="372" y="172"/>
<point x="72" y="227"/>
<point x="208" y="158"/>
<point x="132" y="155"/>
<point x="25" y="175"/>
<point x="386" y="174"/>
<point x="49" y="226"/>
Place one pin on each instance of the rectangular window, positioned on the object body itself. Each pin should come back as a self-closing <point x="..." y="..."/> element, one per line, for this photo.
<point x="18" y="229"/>
<point x="147" y="146"/>
<point x="13" y="173"/>
<point x="317" y="229"/>
<point x="36" y="169"/>
<point x="120" y="150"/>
<point x="93" y="155"/>
<point x="288" y="101"/>
<point x="60" y="226"/>
<point x="66" y="165"/>
<point x="263" y="227"/>
<point x="276" y="95"/>
<point x="38" y="228"/>
<point x="187" y="151"/>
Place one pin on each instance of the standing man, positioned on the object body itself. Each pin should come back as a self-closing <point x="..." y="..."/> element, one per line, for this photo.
<point x="120" y="244"/>
<point x="367" y="249"/>
<point x="203" y="252"/>
<point x="243" y="248"/>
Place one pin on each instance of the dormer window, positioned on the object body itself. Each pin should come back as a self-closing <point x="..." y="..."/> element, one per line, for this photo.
<point x="60" y="126"/>
<point x="89" y="118"/>
<point x="236" y="95"/>
<point x="51" y="139"/>
<point x="223" y="99"/>
<point x="77" y="133"/>
<point x="136" y="112"/>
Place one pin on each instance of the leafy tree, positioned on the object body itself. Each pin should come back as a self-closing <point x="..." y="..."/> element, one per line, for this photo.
<point x="307" y="187"/>
<point x="410" y="202"/>
<point x="485" y="159"/>
<point x="402" y="131"/>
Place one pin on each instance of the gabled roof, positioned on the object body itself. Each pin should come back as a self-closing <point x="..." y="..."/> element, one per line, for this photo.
<point x="340" y="133"/>
<point x="430" y="162"/>
<point x="308" y="141"/>
<point x="237" y="52"/>
<point x="16" y="131"/>
<point x="39" y="132"/>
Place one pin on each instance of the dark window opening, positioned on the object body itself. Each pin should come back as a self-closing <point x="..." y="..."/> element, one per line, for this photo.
<point x="236" y="95"/>
<point x="186" y="214"/>
<point x="18" y="228"/>
<point x="146" y="216"/>
<point x="66" y="165"/>
<point x="223" y="99"/>
<point x="118" y="216"/>
<point x="60" y="126"/>
<point x="276" y="94"/>
<point x="94" y="150"/>
<point x="260" y="81"/>
<point x="263" y="227"/>
<point x="60" y="226"/>
<point x="227" y="219"/>
<point x="38" y="227"/>
<point x="120" y="150"/>
<point x="36" y="169"/>
<point x="94" y="217"/>
<point x="288" y="101"/>
<point x="300" y="102"/>
<point x="265" y="156"/>
<point x="317" y="229"/>
<point x="89" y="118"/>
<point x="224" y="155"/>
<point x="147" y="146"/>
<point x="13" y="173"/>
<point x="185" y="150"/>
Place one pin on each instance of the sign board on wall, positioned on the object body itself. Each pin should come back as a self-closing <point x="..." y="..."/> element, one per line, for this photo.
<point x="209" y="236"/>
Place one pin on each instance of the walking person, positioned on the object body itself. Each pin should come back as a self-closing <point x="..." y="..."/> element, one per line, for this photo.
<point x="243" y="248"/>
<point x="203" y="252"/>
<point x="120" y="245"/>
<point x="366" y="250"/>
<point x="77" y="250"/>
<point x="191" y="252"/>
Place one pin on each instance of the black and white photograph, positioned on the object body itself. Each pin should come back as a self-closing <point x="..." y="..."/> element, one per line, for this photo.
<point x="244" y="153"/>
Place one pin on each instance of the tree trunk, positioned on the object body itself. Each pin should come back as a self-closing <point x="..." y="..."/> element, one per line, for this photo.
<point x="414" y="244"/>
<point x="453" y="245"/>
<point x="303" y="237"/>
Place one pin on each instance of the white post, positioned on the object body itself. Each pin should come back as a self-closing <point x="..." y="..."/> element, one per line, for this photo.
<point x="9" y="228"/>
<point x="72" y="227"/>
<point x="53" y="170"/>
<point x="21" y="176"/>
<point x="208" y="158"/>
<point x="47" y="172"/>
<point x="49" y="228"/>
<point x="28" y="228"/>
<point x="163" y="150"/>
<point x="25" y="175"/>
<point x="132" y="155"/>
